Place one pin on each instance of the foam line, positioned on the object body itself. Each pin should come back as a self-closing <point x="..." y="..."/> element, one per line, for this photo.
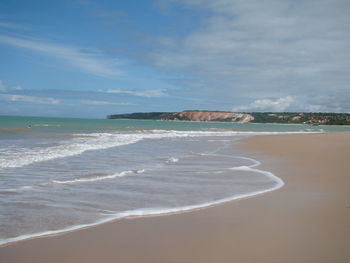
<point x="163" y="210"/>
<point x="98" y="141"/>
<point x="98" y="178"/>
<point x="255" y="162"/>
<point x="172" y="160"/>
<point x="76" y="180"/>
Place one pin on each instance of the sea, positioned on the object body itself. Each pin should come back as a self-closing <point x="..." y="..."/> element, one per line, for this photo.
<point x="62" y="174"/>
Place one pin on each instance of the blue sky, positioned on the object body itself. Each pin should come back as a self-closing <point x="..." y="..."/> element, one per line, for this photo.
<point x="87" y="58"/>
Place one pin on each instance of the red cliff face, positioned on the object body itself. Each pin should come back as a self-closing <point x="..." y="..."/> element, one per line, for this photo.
<point x="213" y="116"/>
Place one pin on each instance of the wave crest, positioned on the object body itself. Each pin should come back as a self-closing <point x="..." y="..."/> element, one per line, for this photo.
<point x="97" y="177"/>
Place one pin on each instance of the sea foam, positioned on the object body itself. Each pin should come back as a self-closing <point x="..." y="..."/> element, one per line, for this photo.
<point x="94" y="178"/>
<point x="152" y="211"/>
<point x="12" y="158"/>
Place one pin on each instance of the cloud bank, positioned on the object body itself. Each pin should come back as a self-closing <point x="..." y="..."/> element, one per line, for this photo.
<point x="280" y="104"/>
<point x="101" y="102"/>
<point x="30" y="99"/>
<point x="90" y="62"/>
<point x="3" y="88"/>
<point x="139" y="93"/>
<point x="256" y="50"/>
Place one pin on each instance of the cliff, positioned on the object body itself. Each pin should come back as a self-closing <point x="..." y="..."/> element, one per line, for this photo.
<point x="188" y="116"/>
<point x="313" y="118"/>
<point x="213" y="116"/>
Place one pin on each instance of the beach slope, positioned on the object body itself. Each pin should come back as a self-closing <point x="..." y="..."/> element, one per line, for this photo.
<point x="308" y="220"/>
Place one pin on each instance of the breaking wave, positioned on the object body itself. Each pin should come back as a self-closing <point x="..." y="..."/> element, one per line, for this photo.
<point x="98" y="177"/>
<point x="80" y="143"/>
<point x="111" y="215"/>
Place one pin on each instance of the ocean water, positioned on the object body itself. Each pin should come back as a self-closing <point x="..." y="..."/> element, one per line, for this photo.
<point x="60" y="174"/>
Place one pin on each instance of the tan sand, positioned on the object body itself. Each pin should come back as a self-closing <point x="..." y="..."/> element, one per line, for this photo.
<point x="308" y="220"/>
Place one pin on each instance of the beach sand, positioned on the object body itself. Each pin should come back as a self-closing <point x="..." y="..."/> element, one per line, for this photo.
<point x="308" y="220"/>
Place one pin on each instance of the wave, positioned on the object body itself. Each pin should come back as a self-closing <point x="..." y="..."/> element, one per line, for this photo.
<point x="89" y="178"/>
<point x="20" y="157"/>
<point x="19" y="189"/>
<point x="81" y="143"/>
<point x="162" y="210"/>
<point x="172" y="160"/>
<point x="46" y="125"/>
<point x="98" y="177"/>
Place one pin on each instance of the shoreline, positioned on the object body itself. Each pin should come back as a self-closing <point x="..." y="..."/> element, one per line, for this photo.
<point x="269" y="123"/>
<point x="305" y="221"/>
<point x="134" y="214"/>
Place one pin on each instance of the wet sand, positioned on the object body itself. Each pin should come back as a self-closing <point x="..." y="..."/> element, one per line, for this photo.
<point x="308" y="220"/>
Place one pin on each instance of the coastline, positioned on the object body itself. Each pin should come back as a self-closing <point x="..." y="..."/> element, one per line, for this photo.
<point x="270" y="123"/>
<point x="132" y="214"/>
<point x="305" y="221"/>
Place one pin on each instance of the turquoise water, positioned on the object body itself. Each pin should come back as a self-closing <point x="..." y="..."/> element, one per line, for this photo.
<point x="91" y="125"/>
<point x="60" y="174"/>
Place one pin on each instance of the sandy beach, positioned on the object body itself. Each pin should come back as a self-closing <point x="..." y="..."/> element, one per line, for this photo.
<point x="308" y="220"/>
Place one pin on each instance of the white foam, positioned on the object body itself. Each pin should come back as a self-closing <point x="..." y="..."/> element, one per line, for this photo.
<point x="255" y="162"/>
<point x="46" y="125"/>
<point x="172" y="160"/>
<point x="12" y="158"/>
<point x="25" y="156"/>
<point x="19" y="189"/>
<point x="164" y="210"/>
<point x="76" y="180"/>
<point x="99" y="177"/>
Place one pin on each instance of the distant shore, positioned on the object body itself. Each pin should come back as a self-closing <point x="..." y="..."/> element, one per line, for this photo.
<point x="311" y="118"/>
<point x="249" y="123"/>
<point x="305" y="221"/>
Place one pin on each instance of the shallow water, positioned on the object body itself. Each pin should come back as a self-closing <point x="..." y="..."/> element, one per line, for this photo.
<point x="61" y="174"/>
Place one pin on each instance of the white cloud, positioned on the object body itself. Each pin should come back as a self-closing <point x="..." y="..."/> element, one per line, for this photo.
<point x="12" y="26"/>
<point x="272" y="48"/>
<point x="2" y="86"/>
<point x="322" y="103"/>
<point x="30" y="99"/>
<point x="140" y="93"/>
<point x="17" y="88"/>
<point x="280" y="104"/>
<point x="88" y="62"/>
<point x="99" y="102"/>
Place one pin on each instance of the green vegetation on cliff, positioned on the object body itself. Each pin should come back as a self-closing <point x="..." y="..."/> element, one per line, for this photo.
<point x="258" y="117"/>
<point x="302" y="117"/>
<point x="141" y="116"/>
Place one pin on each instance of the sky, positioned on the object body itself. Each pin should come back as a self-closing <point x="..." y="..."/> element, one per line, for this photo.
<point x="89" y="58"/>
